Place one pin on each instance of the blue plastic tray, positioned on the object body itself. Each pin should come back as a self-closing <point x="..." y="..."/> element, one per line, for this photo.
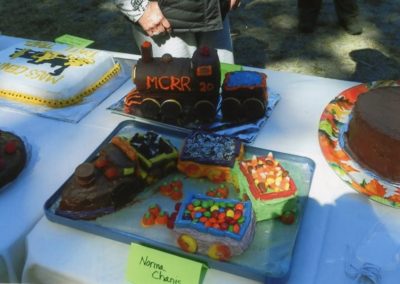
<point x="267" y="259"/>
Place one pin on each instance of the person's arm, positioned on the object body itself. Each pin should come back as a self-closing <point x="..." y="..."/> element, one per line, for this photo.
<point x="146" y="13"/>
<point x="133" y="9"/>
<point x="234" y="4"/>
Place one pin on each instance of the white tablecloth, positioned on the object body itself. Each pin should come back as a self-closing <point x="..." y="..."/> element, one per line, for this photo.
<point x="55" y="148"/>
<point x="338" y="228"/>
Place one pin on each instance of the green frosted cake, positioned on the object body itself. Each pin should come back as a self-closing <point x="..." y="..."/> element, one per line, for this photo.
<point x="157" y="156"/>
<point x="268" y="186"/>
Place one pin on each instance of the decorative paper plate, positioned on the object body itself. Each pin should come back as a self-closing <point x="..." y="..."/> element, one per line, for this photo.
<point x="333" y="123"/>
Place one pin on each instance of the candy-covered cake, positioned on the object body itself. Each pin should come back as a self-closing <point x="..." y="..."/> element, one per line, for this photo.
<point x="103" y="185"/>
<point x="210" y="155"/>
<point x="244" y="95"/>
<point x="52" y="74"/>
<point x="267" y="185"/>
<point x="157" y="156"/>
<point x="219" y="228"/>
<point x="373" y="134"/>
<point x="13" y="156"/>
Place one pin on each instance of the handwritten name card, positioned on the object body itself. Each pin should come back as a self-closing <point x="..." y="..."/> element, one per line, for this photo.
<point x="151" y="266"/>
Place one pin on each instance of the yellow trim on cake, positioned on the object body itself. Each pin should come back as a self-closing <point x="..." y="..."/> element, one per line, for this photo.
<point x="25" y="98"/>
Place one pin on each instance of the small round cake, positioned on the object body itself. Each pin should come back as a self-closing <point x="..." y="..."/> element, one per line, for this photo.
<point x="12" y="157"/>
<point x="373" y="135"/>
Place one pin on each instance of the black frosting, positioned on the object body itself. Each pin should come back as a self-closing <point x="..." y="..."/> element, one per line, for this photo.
<point x="150" y="144"/>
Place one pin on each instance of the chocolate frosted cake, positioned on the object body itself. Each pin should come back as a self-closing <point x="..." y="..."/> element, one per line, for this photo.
<point x="12" y="157"/>
<point x="121" y="170"/>
<point x="244" y="95"/>
<point x="103" y="185"/>
<point x="174" y="89"/>
<point x="373" y="135"/>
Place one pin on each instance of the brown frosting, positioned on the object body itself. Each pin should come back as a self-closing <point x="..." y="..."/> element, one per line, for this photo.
<point x="380" y="108"/>
<point x="89" y="194"/>
<point x="85" y="174"/>
<point x="11" y="163"/>
<point x="374" y="132"/>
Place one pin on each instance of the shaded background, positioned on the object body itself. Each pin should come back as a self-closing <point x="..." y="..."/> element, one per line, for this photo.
<point x="264" y="34"/>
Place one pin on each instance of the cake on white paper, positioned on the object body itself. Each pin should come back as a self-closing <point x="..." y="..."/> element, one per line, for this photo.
<point x="52" y="74"/>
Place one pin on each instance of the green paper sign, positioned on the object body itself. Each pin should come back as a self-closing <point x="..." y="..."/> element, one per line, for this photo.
<point x="74" y="40"/>
<point x="151" y="266"/>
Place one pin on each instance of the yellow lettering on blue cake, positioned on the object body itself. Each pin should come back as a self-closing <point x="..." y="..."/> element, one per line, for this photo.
<point x="40" y="44"/>
<point x="81" y="51"/>
<point x="43" y="76"/>
<point x="12" y="68"/>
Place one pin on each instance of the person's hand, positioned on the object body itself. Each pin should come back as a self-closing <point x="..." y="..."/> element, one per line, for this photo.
<point x="153" y="20"/>
<point x="234" y="4"/>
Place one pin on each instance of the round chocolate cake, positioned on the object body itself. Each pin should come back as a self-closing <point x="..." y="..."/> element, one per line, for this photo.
<point x="373" y="135"/>
<point x="12" y="157"/>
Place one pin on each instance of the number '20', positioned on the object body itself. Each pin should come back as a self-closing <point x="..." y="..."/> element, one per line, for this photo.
<point x="206" y="87"/>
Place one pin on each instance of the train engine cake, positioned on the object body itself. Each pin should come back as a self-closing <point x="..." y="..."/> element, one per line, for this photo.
<point x="175" y="89"/>
<point x="219" y="228"/>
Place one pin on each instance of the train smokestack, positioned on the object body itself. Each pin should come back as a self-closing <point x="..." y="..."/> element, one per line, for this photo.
<point x="147" y="51"/>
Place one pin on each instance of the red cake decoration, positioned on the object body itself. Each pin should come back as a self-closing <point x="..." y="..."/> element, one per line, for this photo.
<point x="268" y="179"/>
<point x="13" y="156"/>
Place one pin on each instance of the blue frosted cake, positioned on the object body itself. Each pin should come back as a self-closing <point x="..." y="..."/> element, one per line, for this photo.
<point x="220" y="228"/>
<point x="210" y="155"/>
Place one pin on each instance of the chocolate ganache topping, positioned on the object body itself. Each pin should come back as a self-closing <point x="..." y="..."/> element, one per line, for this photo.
<point x="374" y="131"/>
<point x="380" y="109"/>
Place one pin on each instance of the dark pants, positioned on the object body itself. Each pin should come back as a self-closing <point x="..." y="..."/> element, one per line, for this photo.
<point x="346" y="10"/>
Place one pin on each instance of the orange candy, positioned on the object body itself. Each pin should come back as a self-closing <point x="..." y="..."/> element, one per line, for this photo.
<point x="162" y="218"/>
<point x="172" y="189"/>
<point x="239" y="206"/>
<point x="176" y="195"/>
<point x="148" y="219"/>
<point x="154" y="209"/>
<point x="203" y="219"/>
<point x="165" y="189"/>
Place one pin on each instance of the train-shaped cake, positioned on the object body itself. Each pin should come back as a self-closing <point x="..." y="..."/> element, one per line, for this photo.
<point x="189" y="89"/>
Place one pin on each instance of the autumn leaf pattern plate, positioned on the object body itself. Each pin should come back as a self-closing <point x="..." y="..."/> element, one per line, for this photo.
<point x="332" y="125"/>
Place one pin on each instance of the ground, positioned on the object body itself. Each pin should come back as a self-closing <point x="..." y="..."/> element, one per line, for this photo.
<point x="264" y="34"/>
